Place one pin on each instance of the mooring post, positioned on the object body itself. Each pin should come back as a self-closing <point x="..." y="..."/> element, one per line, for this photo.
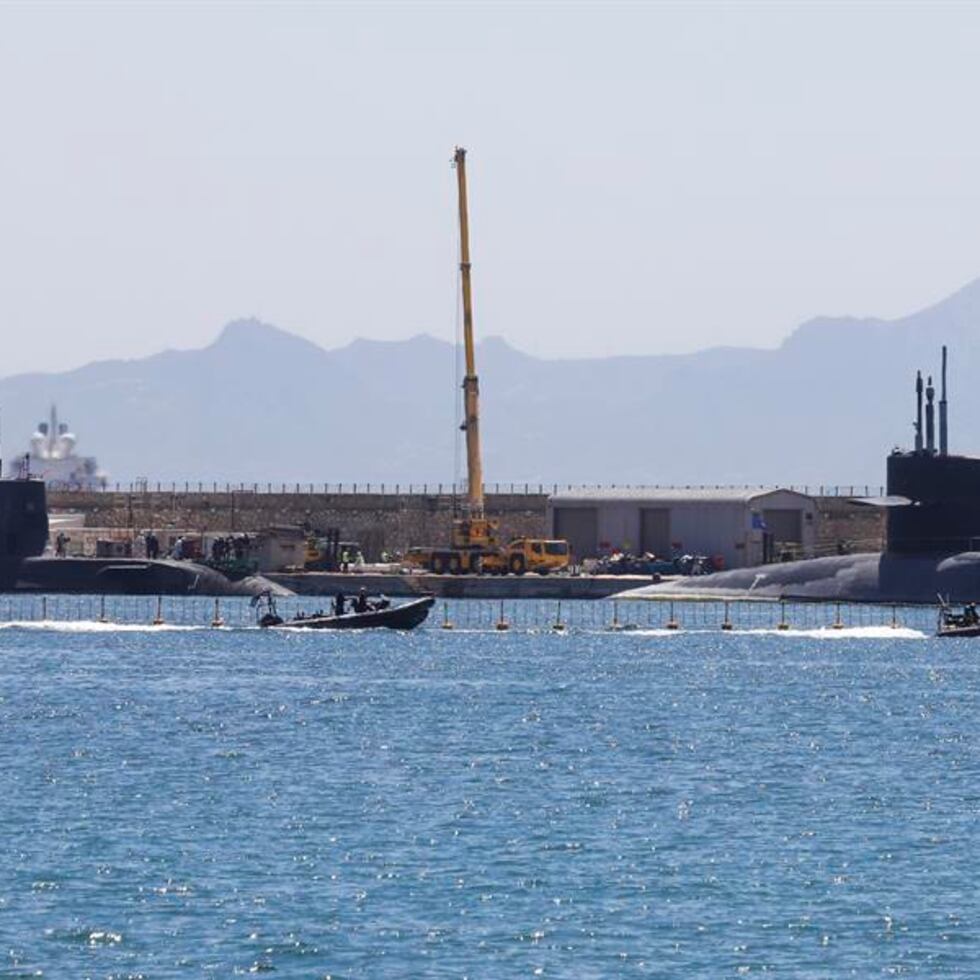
<point x="158" y="619"/>
<point x="102" y="615"/>
<point x="838" y="624"/>
<point x="726" y="623"/>
<point x="783" y="625"/>
<point x="446" y="625"/>
<point x="216" y="619"/>
<point x="894" y="616"/>
<point x="502" y="623"/>
<point x="44" y="608"/>
<point x="559" y="625"/>
<point x="672" y="623"/>
<point x="615" y="627"/>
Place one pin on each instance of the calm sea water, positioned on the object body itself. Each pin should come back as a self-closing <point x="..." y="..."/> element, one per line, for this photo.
<point x="210" y="803"/>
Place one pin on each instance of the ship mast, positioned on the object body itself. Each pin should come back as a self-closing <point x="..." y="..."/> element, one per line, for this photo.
<point x="471" y="388"/>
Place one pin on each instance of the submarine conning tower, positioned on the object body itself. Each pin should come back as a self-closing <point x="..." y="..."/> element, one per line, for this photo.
<point x="23" y="525"/>
<point x="933" y="497"/>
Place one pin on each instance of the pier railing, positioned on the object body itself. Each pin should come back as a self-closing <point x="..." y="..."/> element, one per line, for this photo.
<point x="451" y="489"/>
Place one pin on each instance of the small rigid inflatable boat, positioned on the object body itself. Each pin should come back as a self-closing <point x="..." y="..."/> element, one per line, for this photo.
<point x="404" y="617"/>
<point x="965" y="623"/>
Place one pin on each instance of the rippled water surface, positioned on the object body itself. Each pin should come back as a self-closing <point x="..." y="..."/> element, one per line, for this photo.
<point x="206" y="803"/>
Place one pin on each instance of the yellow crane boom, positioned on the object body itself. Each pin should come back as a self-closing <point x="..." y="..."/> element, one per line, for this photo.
<point x="471" y="386"/>
<point x="474" y="546"/>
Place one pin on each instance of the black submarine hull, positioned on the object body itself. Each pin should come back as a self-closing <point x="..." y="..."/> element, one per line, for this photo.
<point x="24" y="537"/>
<point x="871" y="578"/>
<point x="932" y="544"/>
<point x="127" y="576"/>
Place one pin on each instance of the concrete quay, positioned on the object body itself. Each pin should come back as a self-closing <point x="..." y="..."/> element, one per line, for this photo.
<point x="460" y="586"/>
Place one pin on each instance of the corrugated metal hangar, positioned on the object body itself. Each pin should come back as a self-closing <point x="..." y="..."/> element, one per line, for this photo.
<point x="741" y="527"/>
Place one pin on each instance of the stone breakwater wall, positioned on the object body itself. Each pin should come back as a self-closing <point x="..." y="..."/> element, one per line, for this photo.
<point x="379" y="522"/>
<point x="856" y="527"/>
<point x="384" y="521"/>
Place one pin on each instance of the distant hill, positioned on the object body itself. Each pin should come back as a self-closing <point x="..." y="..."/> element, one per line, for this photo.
<point x="260" y="404"/>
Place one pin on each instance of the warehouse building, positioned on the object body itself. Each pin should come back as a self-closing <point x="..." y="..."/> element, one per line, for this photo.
<point x="739" y="527"/>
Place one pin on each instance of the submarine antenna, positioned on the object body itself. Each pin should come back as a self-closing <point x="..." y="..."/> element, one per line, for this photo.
<point x="943" y="419"/>
<point x="930" y="417"/>
<point x="918" y="411"/>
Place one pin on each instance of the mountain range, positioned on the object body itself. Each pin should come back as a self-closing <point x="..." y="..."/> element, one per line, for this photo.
<point x="260" y="404"/>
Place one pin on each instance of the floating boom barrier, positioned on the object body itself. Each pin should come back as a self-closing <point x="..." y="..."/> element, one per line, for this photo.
<point x="518" y="615"/>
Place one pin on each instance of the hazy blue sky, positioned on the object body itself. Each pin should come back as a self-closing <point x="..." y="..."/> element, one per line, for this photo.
<point x="644" y="177"/>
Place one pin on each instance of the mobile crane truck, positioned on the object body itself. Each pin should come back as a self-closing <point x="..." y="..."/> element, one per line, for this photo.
<point x="474" y="547"/>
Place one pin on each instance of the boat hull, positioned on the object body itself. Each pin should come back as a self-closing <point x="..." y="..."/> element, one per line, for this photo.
<point x="404" y="617"/>
<point x="964" y="631"/>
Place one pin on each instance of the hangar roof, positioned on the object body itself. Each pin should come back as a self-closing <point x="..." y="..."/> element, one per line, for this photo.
<point x="670" y="495"/>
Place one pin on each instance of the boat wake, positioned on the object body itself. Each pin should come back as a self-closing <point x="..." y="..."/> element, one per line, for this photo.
<point x="846" y="633"/>
<point x="94" y="626"/>
<point x="819" y="633"/>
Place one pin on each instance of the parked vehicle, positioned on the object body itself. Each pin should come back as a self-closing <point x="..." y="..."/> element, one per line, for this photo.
<point x="624" y="563"/>
<point x="325" y="552"/>
<point x="519" y="556"/>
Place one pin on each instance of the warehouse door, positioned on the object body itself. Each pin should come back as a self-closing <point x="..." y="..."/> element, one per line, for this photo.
<point x="785" y="525"/>
<point x="579" y="526"/>
<point x="655" y="531"/>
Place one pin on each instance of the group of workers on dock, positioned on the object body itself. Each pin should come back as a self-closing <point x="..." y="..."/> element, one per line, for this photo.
<point x="232" y="547"/>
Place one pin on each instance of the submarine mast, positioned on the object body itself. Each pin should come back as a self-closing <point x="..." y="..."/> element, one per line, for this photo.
<point x="918" y="412"/>
<point x="943" y="421"/>
<point x="930" y="418"/>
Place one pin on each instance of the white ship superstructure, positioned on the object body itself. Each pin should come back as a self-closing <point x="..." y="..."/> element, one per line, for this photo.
<point x="53" y="459"/>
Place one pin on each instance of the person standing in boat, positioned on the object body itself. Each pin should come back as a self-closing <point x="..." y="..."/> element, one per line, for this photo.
<point x="361" y="602"/>
<point x="339" y="603"/>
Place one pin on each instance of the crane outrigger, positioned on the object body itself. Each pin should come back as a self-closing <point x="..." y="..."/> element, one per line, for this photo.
<point x="474" y="545"/>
